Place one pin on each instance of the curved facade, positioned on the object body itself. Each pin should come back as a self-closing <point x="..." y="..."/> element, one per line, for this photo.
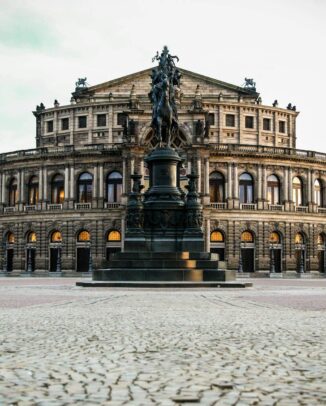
<point x="62" y="205"/>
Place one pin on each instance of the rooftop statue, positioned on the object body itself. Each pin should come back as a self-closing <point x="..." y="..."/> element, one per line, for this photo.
<point x="165" y="85"/>
<point x="250" y="84"/>
<point x="81" y="82"/>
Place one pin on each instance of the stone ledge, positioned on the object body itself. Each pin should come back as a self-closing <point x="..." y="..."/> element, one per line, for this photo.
<point x="130" y="284"/>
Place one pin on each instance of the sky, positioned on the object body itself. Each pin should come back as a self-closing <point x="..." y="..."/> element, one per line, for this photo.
<point x="46" y="45"/>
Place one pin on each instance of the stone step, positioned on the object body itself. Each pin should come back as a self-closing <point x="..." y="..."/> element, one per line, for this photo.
<point x="153" y="263"/>
<point x="142" y="274"/>
<point x="165" y="255"/>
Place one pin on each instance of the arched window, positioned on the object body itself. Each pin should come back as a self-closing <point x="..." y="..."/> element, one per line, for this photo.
<point x="56" y="236"/>
<point x="320" y="239"/>
<point x="57" y="189"/>
<point x="33" y="190"/>
<point x="274" y="238"/>
<point x="217" y="236"/>
<point x="12" y="192"/>
<point x="246" y="186"/>
<point x="31" y="237"/>
<point x="318" y="193"/>
<point x="114" y="235"/>
<point x="297" y="191"/>
<point x="216" y="187"/>
<point x="114" y="187"/>
<point x="247" y="236"/>
<point x="85" y="188"/>
<point x="299" y="238"/>
<point x="83" y="236"/>
<point x="10" y="238"/>
<point x="273" y="189"/>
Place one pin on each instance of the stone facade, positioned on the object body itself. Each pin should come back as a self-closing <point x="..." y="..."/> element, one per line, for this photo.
<point x="236" y="145"/>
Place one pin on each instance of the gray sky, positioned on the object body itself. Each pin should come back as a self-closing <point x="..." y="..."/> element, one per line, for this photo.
<point x="46" y="45"/>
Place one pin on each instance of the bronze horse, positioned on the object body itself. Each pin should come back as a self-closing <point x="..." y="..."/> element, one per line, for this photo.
<point x="163" y="114"/>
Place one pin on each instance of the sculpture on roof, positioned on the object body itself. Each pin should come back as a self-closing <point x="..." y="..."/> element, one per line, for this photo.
<point x="250" y="84"/>
<point x="81" y="82"/>
<point x="165" y="85"/>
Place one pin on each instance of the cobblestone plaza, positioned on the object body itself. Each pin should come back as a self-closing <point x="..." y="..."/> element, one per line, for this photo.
<point x="64" y="345"/>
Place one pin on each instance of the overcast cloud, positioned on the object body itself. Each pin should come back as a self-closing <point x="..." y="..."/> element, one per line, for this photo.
<point x="46" y="45"/>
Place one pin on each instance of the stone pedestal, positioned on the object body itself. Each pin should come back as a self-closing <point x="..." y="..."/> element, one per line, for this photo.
<point x="164" y="240"/>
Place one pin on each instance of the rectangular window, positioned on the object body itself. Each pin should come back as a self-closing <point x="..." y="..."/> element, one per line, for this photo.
<point x="82" y="121"/>
<point x="65" y="124"/>
<point x="249" y="122"/>
<point x="101" y="120"/>
<point x="230" y="120"/>
<point x="267" y="124"/>
<point x="122" y="119"/>
<point x="281" y="126"/>
<point x="211" y="119"/>
<point x="49" y="126"/>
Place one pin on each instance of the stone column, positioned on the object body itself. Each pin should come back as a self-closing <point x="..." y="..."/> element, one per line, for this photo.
<point x="90" y="125"/>
<point x="236" y="186"/>
<point x="3" y="189"/>
<point x="95" y="180"/>
<point x="206" y="191"/>
<point x="286" y="187"/>
<point x="132" y="166"/>
<point x="40" y="185"/>
<point x="264" y="181"/>
<point x="124" y="168"/>
<point x="110" y="124"/>
<point x="199" y="174"/>
<point x="45" y="174"/>
<point x="22" y="187"/>
<point x="229" y="186"/>
<point x="19" y="190"/>
<point x="290" y="188"/>
<point x="72" y="126"/>
<point x="259" y="188"/>
<point x="66" y="187"/>
<point x="72" y="186"/>
<point x="101" y="186"/>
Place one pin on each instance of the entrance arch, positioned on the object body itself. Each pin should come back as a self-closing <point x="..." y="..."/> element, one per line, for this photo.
<point x="218" y="244"/>
<point x="113" y="243"/>
<point x="30" y="251"/>
<point x="300" y="252"/>
<point x="321" y="253"/>
<point x="55" y="251"/>
<point x="275" y="247"/>
<point x="247" y="251"/>
<point x="8" y="263"/>
<point x="83" y="251"/>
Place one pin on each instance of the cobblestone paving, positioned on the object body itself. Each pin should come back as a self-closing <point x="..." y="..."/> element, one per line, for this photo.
<point x="162" y="347"/>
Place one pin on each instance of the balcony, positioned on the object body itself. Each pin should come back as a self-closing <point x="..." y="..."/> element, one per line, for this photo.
<point x="301" y="209"/>
<point x="322" y="210"/>
<point x="10" y="209"/>
<point x="54" y="206"/>
<point x="276" y="207"/>
<point x="30" y="207"/>
<point x="219" y="206"/>
<point x="248" y="206"/>
<point x="82" y="206"/>
<point x="108" y="205"/>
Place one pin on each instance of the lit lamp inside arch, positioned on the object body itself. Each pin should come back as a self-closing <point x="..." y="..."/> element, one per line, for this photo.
<point x="274" y="238"/>
<point x="10" y="238"/>
<point x="56" y="236"/>
<point x="32" y="237"/>
<point x="217" y="236"/>
<point x="84" y="236"/>
<point x="247" y="236"/>
<point x="298" y="239"/>
<point x="114" y="235"/>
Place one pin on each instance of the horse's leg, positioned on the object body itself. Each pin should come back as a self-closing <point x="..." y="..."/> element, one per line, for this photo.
<point x="159" y="131"/>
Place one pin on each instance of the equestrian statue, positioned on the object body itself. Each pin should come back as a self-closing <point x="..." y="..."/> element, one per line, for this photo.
<point x="165" y="84"/>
